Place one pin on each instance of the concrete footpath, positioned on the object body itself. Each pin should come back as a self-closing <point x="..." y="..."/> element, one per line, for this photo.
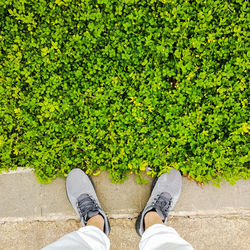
<point x="217" y="233"/>
<point x="33" y="215"/>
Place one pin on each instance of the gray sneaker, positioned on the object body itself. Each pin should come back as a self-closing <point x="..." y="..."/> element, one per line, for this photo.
<point x="165" y="193"/>
<point x="82" y="196"/>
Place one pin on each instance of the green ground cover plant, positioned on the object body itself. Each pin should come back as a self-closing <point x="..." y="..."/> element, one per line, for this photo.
<point x="125" y="86"/>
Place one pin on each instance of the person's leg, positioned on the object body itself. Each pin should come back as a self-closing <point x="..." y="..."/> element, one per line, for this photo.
<point x="86" y="238"/>
<point x="150" y="223"/>
<point x="93" y="234"/>
<point x="158" y="236"/>
<point x="152" y="218"/>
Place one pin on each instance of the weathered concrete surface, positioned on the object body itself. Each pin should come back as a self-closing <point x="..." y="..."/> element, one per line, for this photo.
<point x="131" y="198"/>
<point x="203" y="233"/>
<point x="19" y="195"/>
<point x="27" y="199"/>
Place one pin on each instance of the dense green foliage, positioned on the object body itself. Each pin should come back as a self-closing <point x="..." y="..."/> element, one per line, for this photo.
<point x="125" y="86"/>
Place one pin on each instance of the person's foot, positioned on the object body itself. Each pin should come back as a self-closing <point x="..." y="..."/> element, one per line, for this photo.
<point x="165" y="193"/>
<point x="82" y="196"/>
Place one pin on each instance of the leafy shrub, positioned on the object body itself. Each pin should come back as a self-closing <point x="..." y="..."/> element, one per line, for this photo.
<point x="125" y="86"/>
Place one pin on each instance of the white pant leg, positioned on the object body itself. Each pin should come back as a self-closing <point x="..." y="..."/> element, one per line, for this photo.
<point x="86" y="238"/>
<point x="161" y="237"/>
